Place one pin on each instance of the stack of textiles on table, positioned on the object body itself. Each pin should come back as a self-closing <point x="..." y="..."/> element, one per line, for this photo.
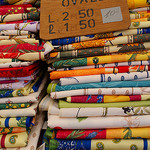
<point x="100" y="88"/>
<point x="22" y="77"/>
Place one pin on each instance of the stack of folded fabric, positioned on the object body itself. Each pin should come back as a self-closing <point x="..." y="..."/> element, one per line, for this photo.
<point x="22" y="77"/>
<point x="100" y="88"/>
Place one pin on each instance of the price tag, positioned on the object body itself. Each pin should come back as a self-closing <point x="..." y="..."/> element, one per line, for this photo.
<point x="68" y="18"/>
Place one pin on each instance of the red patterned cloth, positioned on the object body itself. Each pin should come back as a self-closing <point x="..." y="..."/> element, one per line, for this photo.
<point x="20" y="71"/>
<point x="12" y="9"/>
<point x="21" y="47"/>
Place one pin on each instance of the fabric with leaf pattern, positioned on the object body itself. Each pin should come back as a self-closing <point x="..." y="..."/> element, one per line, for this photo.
<point x="120" y="133"/>
<point x="117" y="64"/>
<point x="24" y="122"/>
<point x="106" y="98"/>
<point x="107" y="42"/>
<point x="64" y="41"/>
<point x="22" y="47"/>
<point x="97" y="60"/>
<point x="88" y="52"/>
<point x="56" y="122"/>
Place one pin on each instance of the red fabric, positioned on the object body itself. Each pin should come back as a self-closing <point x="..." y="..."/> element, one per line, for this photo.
<point x="19" y="71"/>
<point x="21" y="21"/>
<point x="15" y="55"/>
<point x="21" y="47"/>
<point x="98" y="98"/>
<point x="8" y="81"/>
<point x="13" y="10"/>
<point x="131" y="68"/>
<point x="16" y="50"/>
<point x="22" y="5"/>
<point x="83" y="134"/>
<point x="3" y="141"/>
<point x="87" y="99"/>
<point x="135" y="98"/>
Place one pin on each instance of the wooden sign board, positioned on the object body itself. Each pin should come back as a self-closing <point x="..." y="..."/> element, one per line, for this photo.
<point x="68" y="18"/>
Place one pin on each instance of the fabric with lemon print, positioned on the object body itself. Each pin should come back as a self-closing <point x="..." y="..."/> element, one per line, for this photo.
<point x="24" y="122"/>
<point x="14" y="106"/>
<point x="20" y="112"/>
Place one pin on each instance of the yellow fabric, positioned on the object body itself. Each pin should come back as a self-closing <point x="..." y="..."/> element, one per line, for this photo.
<point x="137" y="3"/>
<point x="110" y="99"/>
<point x="15" y="140"/>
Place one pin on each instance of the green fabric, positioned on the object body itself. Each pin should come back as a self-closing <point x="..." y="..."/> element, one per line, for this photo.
<point x="51" y="87"/>
<point x="64" y="104"/>
<point x="14" y="106"/>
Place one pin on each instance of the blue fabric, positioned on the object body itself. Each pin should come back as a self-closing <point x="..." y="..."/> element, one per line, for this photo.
<point x="7" y="122"/>
<point x="143" y="31"/>
<point x="70" y="40"/>
<point x="73" y="144"/>
<point x="28" y="121"/>
<point x="37" y="84"/>
<point x="3" y="2"/>
<point x="46" y="141"/>
<point x="145" y="144"/>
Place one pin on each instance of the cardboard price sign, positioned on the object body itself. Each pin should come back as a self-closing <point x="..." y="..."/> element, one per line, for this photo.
<point x="68" y="18"/>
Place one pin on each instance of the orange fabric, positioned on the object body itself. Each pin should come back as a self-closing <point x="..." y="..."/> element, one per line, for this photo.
<point x="82" y="72"/>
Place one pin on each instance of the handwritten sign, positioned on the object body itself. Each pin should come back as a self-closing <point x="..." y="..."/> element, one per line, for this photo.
<point x="67" y="18"/>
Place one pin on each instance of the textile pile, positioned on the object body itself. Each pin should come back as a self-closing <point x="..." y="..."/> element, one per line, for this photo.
<point x="22" y="77"/>
<point x="100" y="88"/>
